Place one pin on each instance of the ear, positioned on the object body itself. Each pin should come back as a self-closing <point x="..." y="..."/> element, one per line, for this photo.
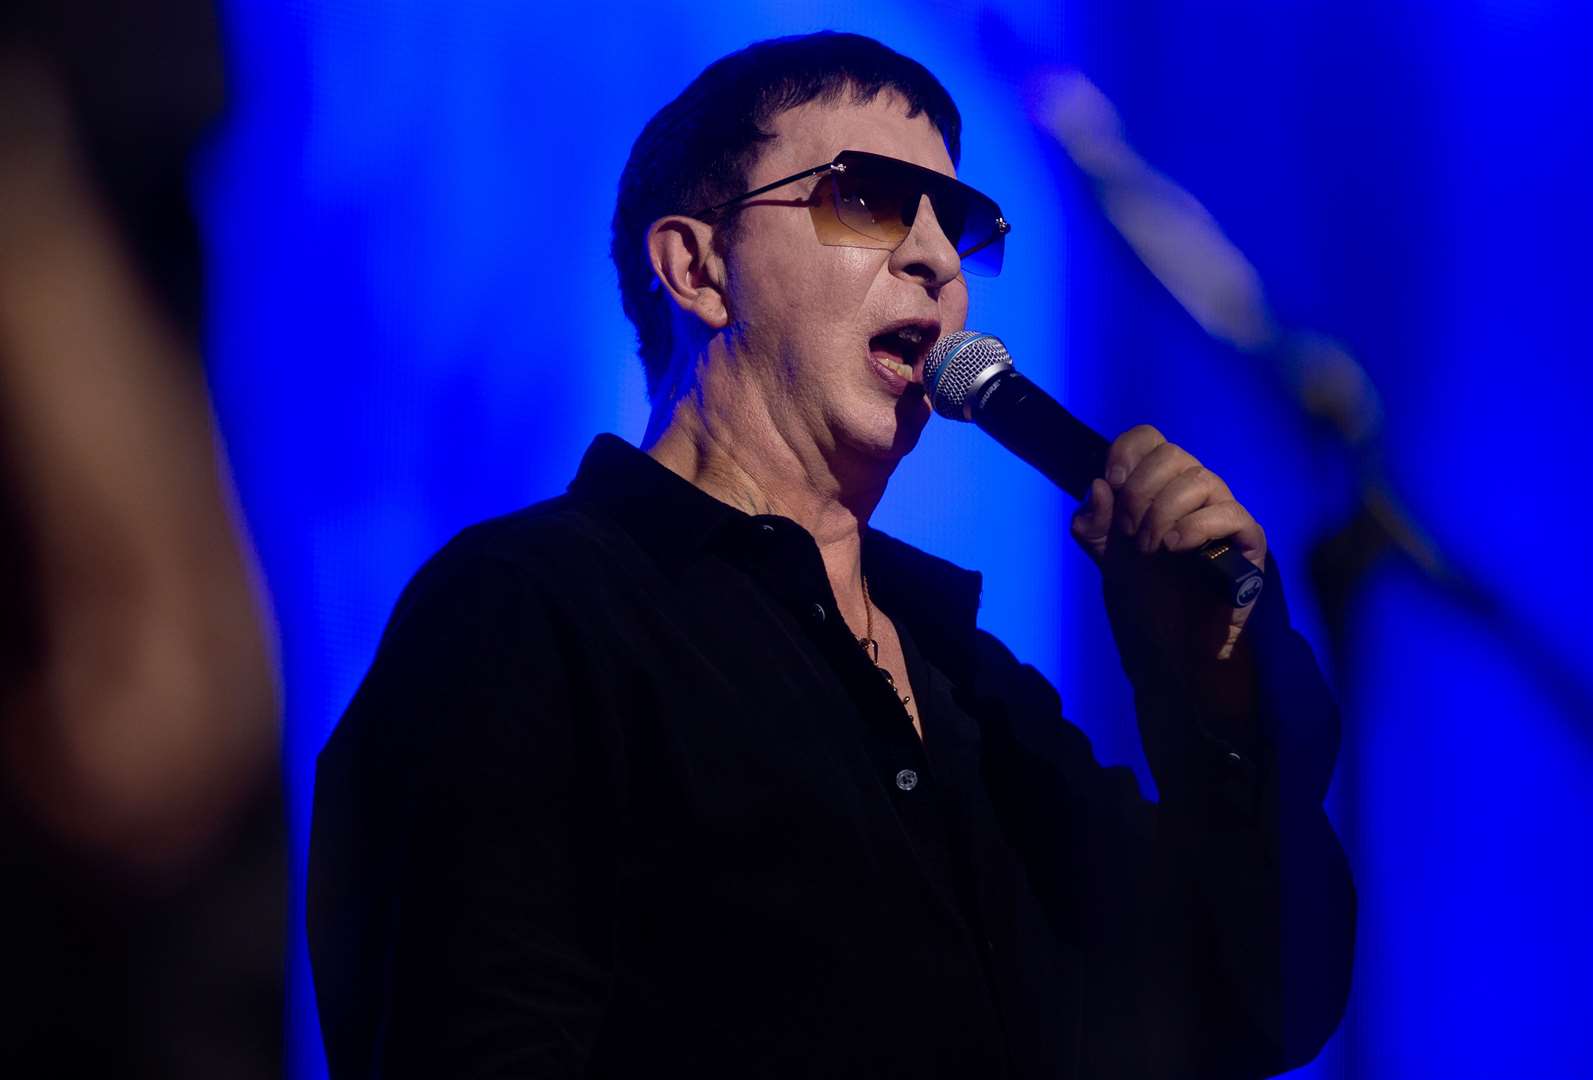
<point x="688" y="269"/>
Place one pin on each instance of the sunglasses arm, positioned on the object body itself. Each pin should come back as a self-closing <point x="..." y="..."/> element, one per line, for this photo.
<point x="793" y="178"/>
<point x="1003" y="227"/>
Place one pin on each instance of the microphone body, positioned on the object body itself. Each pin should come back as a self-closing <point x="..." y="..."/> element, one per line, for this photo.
<point x="970" y="377"/>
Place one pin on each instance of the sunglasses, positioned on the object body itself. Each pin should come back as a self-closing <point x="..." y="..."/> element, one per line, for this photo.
<point x="869" y="201"/>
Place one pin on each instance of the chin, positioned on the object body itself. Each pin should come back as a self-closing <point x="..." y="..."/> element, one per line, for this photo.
<point x="888" y="436"/>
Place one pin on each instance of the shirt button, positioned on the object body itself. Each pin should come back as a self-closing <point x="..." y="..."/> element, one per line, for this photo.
<point x="817" y="611"/>
<point x="907" y="779"/>
<point x="766" y="529"/>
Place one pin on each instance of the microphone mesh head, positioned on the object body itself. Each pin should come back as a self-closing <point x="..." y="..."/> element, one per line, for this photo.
<point x="956" y="364"/>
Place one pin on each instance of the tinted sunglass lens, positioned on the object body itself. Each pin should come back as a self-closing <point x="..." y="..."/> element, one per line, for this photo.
<point x="874" y="204"/>
<point x="986" y="260"/>
<point x="872" y="201"/>
<point x="977" y="235"/>
<point x="952" y="213"/>
<point x="968" y="220"/>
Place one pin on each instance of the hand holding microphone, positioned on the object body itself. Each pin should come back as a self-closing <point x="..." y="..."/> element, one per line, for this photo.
<point x="1142" y="494"/>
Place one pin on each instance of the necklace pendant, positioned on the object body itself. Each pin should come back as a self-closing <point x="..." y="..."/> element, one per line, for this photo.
<point x="871" y="648"/>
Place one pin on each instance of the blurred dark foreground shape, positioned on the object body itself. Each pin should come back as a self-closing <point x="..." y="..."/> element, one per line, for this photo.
<point x="143" y="909"/>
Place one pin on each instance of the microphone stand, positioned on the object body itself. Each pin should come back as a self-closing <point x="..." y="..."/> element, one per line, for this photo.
<point x="1379" y="527"/>
<point x="1183" y="246"/>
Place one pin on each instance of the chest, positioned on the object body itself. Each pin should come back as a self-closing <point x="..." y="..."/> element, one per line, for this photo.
<point x="760" y="752"/>
<point x="783" y="825"/>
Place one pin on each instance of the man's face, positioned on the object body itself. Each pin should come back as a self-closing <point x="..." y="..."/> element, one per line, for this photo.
<point x="812" y="326"/>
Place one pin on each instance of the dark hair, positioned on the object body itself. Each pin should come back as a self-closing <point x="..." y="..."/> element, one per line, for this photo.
<point x="697" y="151"/>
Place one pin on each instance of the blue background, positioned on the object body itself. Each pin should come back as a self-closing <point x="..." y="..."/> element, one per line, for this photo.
<point x="415" y="325"/>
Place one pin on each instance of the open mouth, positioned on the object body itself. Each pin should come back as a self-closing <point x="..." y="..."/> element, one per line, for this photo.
<point x="900" y="347"/>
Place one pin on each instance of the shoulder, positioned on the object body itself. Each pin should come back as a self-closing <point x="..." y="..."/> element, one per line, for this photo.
<point x="489" y="624"/>
<point x="936" y="599"/>
<point x="939" y="602"/>
<point x="544" y="552"/>
<point x="527" y="542"/>
<point x="499" y="591"/>
<point x="1015" y="705"/>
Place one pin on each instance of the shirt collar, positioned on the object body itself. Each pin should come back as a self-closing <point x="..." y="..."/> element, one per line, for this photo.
<point x="664" y="513"/>
<point x="673" y="521"/>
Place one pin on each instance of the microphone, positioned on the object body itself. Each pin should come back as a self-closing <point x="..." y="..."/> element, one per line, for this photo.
<point x="969" y="376"/>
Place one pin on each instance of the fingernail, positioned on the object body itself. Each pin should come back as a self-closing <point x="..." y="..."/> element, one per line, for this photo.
<point x="1170" y="541"/>
<point x="1116" y="475"/>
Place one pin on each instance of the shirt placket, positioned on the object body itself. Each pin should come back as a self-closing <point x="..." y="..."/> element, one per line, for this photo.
<point x="786" y="562"/>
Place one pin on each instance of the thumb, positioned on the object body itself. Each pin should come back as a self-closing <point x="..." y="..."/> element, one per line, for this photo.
<point x="1092" y="521"/>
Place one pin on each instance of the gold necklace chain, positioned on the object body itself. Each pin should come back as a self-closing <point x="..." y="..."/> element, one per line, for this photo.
<point x="871" y="645"/>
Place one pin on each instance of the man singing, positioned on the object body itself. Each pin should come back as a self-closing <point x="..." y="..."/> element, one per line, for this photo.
<point x="689" y="772"/>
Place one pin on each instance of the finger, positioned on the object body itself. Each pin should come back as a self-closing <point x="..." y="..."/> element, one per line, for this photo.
<point x="1127" y="450"/>
<point x="1226" y="519"/>
<point x="1195" y="487"/>
<point x="1092" y="521"/>
<point x="1154" y="472"/>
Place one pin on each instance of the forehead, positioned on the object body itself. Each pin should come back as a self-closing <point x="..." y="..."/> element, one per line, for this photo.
<point x="814" y="133"/>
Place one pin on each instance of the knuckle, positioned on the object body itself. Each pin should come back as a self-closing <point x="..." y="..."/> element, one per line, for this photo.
<point x="1190" y="481"/>
<point x="1133" y="445"/>
<point x="1162" y="455"/>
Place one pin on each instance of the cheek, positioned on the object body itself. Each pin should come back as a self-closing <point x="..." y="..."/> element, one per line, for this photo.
<point x="954" y="307"/>
<point x="793" y="281"/>
<point x="825" y="293"/>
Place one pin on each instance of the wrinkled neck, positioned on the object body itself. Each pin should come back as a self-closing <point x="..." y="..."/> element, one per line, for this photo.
<point x="722" y="437"/>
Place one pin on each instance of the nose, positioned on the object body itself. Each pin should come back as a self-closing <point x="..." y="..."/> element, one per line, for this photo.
<point x="926" y="256"/>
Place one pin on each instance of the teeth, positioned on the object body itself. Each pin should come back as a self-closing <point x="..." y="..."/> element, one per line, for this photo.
<point x="904" y="370"/>
<point x="896" y="349"/>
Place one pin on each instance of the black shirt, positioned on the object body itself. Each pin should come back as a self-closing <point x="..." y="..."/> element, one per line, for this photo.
<point x="621" y="796"/>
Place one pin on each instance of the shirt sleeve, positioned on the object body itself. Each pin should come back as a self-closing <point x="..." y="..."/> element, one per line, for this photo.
<point x="1216" y="925"/>
<point x="461" y="872"/>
